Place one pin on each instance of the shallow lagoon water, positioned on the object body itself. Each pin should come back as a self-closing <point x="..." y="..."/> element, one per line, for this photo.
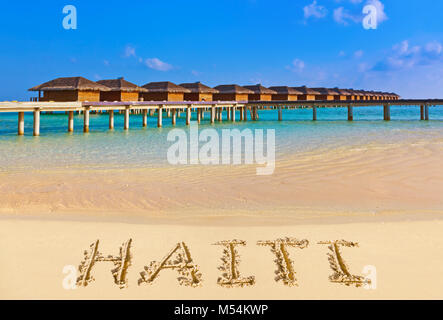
<point x="147" y="147"/>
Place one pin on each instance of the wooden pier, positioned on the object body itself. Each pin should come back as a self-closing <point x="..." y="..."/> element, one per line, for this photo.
<point x="216" y="109"/>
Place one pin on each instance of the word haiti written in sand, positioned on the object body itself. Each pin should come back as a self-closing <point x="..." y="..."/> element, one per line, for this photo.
<point x="179" y="260"/>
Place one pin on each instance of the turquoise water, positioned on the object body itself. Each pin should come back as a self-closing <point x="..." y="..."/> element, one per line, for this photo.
<point x="147" y="147"/>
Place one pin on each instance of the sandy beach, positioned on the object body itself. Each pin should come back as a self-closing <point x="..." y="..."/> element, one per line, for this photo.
<point x="368" y="180"/>
<point x="407" y="257"/>
<point x="385" y="198"/>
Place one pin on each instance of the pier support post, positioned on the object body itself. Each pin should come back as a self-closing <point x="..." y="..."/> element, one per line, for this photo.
<point x="387" y="112"/>
<point x="188" y="115"/>
<point x="220" y="114"/>
<point x="199" y="115"/>
<point x="280" y="114"/>
<point x="21" y="123"/>
<point x="350" y="113"/>
<point x="169" y="113"/>
<point x="427" y="113"/>
<point x="86" y="120"/>
<point x="233" y="113"/>
<point x="228" y="113"/>
<point x="245" y="116"/>
<point x="111" y="119"/>
<point x="314" y="113"/>
<point x="145" y="117"/>
<point x="213" y="114"/>
<point x="70" y="121"/>
<point x="160" y="117"/>
<point x="36" y="122"/>
<point x="422" y="112"/>
<point x="126" y="125"/>
<point x="174" y="117"/>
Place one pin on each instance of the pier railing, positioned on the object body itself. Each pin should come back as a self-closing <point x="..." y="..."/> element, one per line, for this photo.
<point x="216" y="109"/>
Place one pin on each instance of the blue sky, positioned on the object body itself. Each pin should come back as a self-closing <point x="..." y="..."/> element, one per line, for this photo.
<point x="280" y="42"/>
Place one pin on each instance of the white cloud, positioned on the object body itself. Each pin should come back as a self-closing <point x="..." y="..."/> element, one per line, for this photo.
<point x="129" y="51"/>
<point x="358" y="54"/>
<point x="405" y="56"/>
<point x="343" y="16"/>
<point x="296" y="66"/>
<point x="157" y="64"/>
<point x="314" y="10"/>
<point x="434" y="48"/>
<point x="381" y="14"/>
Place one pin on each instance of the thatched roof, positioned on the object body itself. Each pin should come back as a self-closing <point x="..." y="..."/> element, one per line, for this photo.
<point x="286" y="90"/>
<point x="360" y="92"/>
<point x="121" y="84"/>
<point x="165" y="86"/>
<point x="198" y="87"/>
<point x="259" y="89"/>
<point x="326" y="91"/>
<point x="233" y="89"/>
<point x="70" y="84"/>
<point x="341" y="92"/>
<point x="306" y="90"/>
<point x="354" y="92"/>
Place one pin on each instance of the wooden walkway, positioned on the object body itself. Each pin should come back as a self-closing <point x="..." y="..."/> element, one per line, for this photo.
<point x="216" y="109"/>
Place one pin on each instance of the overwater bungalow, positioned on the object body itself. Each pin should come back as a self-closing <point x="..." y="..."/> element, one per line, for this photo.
<point x="307" y="93"/>
<point x="356" y="94"/>
<point x="372" y="95"/>
<point x="70" y="89"/>
<point x="285" y="93"/>
<point x="362" y="95"/>
<point x="380" y="95"/>
<point x="351" y="94"/>
<point x="260" y="93"/>
<point x="232" y="92"/>
<point x="198" y="92"/>
<point x="121" y="90"/>
<point x="343" y="95"/>
<point x="163" y="91"/>
<point x="394" y="96"/>
<point x="325" y="94"/>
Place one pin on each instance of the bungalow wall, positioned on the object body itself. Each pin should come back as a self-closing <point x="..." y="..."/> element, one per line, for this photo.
<point x="162" y="96"/>
<point x="230" y="97"/>
<point x="91" y="96"/>
<point x="260" y="97"/>
<point x="324" y="97"/>
<point x="195" y="96"/>
<point x="59" y="96"/>
<point x="118" y="96"/>
<point x="70" y="95"/>
<point x="306" y="97"/>
<point x="284" y="97"/>
<point x="129" y="96"/>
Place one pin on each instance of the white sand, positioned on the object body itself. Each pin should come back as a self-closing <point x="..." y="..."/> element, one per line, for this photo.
<point x="407" y="256"/>
<point x="387" y="198"/>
